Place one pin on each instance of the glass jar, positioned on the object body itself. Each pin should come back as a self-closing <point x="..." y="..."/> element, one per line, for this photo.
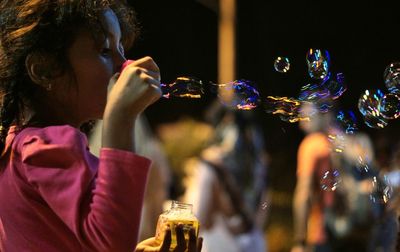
<point x="179" y="213"/>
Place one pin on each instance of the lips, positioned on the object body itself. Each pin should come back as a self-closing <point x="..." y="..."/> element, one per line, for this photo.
<point x="126" y="63"/>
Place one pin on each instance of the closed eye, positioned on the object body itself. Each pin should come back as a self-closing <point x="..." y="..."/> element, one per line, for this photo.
<point x="106" y="52"/>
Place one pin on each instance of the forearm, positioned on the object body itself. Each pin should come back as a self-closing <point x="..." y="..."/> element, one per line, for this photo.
<point x="111" y="220"/>
<point x="118" y="131"/>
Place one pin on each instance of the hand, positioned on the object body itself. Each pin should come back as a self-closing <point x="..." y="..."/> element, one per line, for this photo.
<point x="137" y="87"/>
<point x="151" y="245"/>
<point x="298" y="248"/>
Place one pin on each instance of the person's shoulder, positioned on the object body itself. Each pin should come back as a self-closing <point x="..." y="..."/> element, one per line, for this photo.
<point x="315" y="142"/>
<point x="51" y="135"/>
<point x="55" y="146"/>
<point x="317" y="138"/>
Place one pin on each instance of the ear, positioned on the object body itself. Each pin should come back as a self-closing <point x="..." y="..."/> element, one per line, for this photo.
<point x="37" y="69"/>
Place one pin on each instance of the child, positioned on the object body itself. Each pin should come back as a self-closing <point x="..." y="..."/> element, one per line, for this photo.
<point x="56" y="60"/>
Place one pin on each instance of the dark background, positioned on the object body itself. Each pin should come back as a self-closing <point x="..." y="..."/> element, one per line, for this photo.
<point x="362" y="39"/>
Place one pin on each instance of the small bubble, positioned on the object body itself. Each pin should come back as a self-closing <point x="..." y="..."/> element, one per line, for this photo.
<point x="391" y="76"/>
<point x="389" y="106"/>
<point x="368" y="105"/>
<point x="382" y="191"/>
<point x="282" y="64"/>
<point x="264" y="205"/>
<point x="330" y="180"/>
<point x="318" y="63"/>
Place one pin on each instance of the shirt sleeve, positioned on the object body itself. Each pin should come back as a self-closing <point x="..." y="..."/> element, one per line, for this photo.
<point x="102" y="207"/>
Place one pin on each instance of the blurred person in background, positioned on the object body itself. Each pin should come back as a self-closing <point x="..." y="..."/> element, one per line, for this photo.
<point x="227" y="184"/>
<point x="310" y="200"/>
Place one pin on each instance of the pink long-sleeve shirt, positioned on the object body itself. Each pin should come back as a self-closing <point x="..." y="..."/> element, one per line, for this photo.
<point x="56" y="196"/>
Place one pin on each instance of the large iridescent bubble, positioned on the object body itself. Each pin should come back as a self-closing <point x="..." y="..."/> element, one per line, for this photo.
<point x="391" y="76"/>
<point x="313" y="92"/>
<point x="318" y="63"/>
<point x="288" y="109"/>
<point x="190" y="87"/>
<point x="244" y="95"/>
<point x="318" y="95"/>
<point x="368" y="105"/>
<point x="183" y="87"/>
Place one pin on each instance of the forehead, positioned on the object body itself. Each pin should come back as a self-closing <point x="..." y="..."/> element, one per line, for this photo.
<point x="110" y="24"/>
<point x="87" y="41"/>
<point x="107" y="26"/>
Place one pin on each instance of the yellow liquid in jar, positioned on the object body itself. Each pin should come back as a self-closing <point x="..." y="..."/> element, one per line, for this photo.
<point x="164" y="222"/>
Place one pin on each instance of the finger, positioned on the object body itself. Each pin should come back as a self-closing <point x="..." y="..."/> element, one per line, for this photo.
<point x="180" y="238"/>
<point x="167" y="241"/>
<point x="192" y="240"/>
<point x="153" y="92"/>
<point x="138" y="71"/>
<point x="113" y="80"/>
<point x="199" y="244"/>
<point x="148" y="245"/>
<point x="154" y="89"/>
<point x="146" y="62"/>
<point x="154" y="74"/>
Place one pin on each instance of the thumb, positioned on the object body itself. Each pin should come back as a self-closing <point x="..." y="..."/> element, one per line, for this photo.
<point x="113" y="80"/>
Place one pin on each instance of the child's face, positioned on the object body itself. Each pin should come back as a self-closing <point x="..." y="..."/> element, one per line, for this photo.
<point x="85" y="93"/>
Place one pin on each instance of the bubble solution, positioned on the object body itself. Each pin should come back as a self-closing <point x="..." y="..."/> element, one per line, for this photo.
<point x="179" y="213"/>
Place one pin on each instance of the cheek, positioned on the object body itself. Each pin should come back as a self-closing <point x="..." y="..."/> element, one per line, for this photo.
<point x="92" y="92"/>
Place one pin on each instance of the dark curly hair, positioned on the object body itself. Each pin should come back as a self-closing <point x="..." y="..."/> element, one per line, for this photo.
<point x="46" y="27"/>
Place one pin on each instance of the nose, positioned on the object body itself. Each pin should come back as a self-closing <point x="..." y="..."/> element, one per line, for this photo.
<point x="119" y="62"/>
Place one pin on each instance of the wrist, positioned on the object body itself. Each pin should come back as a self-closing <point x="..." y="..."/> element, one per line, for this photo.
<point x="119" y="118"/>
<point x="118" y="132"/>
<point x="118" y="113"/>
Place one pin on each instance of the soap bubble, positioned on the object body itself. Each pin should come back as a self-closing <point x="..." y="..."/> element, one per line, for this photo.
<point x="368" y="105"/>
<point x="375" y="122"/>
<point x="318" y="63"/>
<point x="335" y="84"/>
<point x="382" y="191"/>
<point x="391" y="76"/>
<point x="389" y="106"/>
<point x="288" y="109"/>
<point x="244" y="95"/>
<point x="318" y="95"/>
<point x="190" y="87"/>
<point x="330" y="180"/>
<point x="282" y="64"/>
